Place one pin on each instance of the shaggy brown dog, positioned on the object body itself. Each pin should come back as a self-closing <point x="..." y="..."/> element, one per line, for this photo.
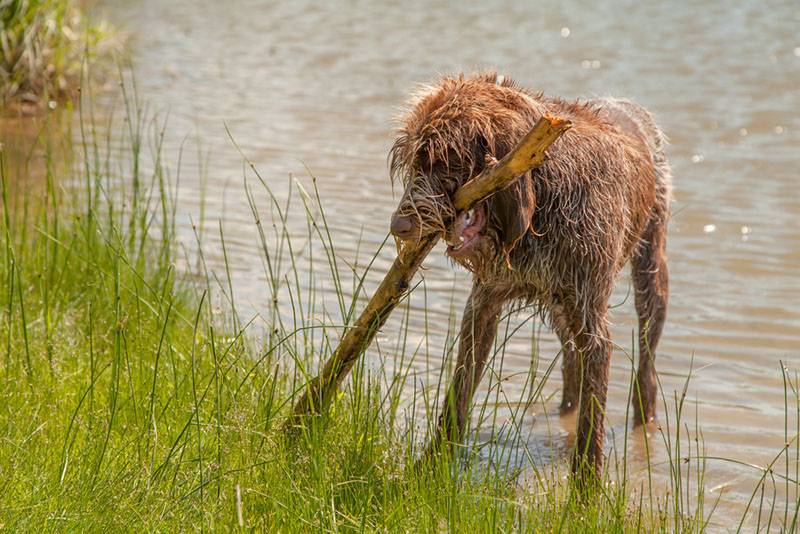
<point x="557" y="238"/>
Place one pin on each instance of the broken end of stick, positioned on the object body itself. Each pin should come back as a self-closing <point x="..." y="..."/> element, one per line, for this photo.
<point x="557" y="123"/>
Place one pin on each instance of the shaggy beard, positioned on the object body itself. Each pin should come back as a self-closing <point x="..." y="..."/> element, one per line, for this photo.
<point x="431" y="208"/>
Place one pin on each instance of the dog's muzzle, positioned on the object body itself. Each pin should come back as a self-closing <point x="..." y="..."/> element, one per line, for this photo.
<point x="403" y="227"/>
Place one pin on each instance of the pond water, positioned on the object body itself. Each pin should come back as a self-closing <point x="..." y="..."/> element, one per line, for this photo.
<point x="307" y="86"/>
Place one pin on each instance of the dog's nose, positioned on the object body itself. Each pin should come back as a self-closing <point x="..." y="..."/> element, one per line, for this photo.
<point x="402" y="227"/>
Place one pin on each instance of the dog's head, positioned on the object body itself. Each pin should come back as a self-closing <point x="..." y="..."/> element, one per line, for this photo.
<point x="450" y="133"/>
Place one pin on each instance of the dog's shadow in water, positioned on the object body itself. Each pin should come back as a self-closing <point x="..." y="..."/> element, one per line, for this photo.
<point x="535" y="443"/>
<point x="533" y="446"/>
<point x="545" y="443"/>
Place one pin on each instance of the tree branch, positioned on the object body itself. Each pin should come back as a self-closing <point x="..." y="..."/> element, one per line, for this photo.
<point x="528" y="154"/>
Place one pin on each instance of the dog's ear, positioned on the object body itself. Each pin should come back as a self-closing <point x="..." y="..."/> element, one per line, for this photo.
<point x="513" y="209"/>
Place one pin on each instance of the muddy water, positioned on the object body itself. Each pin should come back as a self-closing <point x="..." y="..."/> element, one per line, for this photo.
<point x="314" y="86"/>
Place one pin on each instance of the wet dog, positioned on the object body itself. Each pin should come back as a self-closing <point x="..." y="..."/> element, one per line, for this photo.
<point x="556" y="239"/>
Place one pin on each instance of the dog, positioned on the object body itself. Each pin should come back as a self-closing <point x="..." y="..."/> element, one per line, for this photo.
<point x="556" y="239"/>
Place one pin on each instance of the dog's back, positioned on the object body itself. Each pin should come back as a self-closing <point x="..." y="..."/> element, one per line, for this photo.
<point x="636" y="120"/>
<point x="602" y="184"/>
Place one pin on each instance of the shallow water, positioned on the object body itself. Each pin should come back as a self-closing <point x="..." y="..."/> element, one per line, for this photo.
<point x="314" y="86"/>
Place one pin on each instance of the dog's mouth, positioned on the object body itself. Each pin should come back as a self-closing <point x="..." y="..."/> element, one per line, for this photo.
<point x="465" y="233"/>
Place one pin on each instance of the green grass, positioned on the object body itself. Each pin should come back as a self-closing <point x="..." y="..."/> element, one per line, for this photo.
<point x="129" y="402"/>
<point x="43" y="46"/>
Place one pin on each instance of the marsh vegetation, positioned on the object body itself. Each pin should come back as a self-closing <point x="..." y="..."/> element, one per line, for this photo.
<point x="44" y="47"/>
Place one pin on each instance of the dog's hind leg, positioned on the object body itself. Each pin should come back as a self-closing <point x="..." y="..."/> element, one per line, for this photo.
<point x="651" y="282"/>
<point x="570" y="367"/>
<point x="478" y="330"/>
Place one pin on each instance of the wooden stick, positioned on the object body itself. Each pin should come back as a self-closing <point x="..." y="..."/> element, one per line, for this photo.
<point x="527" y="155"/>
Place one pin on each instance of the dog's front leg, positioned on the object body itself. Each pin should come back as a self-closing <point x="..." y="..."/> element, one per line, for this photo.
<point x="478" y="330"/>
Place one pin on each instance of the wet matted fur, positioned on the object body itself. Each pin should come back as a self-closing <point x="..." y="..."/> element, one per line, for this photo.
<point x="556" y="239"/>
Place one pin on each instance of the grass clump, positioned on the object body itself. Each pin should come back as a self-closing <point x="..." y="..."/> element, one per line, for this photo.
<point x="133" y="398"/>
<point x="43" y="44"/>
